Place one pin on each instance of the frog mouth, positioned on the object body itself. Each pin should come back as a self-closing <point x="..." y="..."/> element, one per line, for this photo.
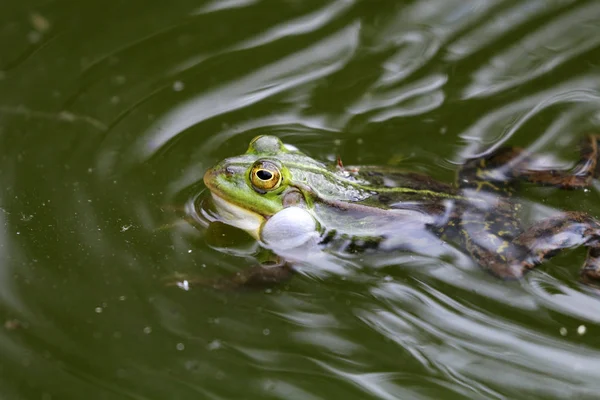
<point x="239" y="217"/>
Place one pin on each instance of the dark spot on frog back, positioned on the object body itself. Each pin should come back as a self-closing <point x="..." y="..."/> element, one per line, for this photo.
<point x="384" y="199"/>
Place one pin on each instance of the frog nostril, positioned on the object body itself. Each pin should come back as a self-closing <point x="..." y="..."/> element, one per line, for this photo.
<point x="229" y="172"/>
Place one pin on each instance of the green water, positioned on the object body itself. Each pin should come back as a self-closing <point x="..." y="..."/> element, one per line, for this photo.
<point x="110" y="111"/>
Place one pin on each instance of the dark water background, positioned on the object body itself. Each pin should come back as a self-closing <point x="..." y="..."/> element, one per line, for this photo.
<point x="110" y="111"/>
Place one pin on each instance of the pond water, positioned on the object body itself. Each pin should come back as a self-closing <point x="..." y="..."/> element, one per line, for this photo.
<point x="110" y="112"/>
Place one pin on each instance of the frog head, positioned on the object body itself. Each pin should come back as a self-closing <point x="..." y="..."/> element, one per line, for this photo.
<point x="251" y="187"/>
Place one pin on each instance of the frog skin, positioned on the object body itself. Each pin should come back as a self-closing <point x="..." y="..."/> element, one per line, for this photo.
<point x="355" y="208"/>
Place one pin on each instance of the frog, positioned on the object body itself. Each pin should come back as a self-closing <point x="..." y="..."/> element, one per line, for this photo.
<point x="284" y="199"/>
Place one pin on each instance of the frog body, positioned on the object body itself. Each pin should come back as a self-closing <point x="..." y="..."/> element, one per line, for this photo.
<point x="367" y="208"/>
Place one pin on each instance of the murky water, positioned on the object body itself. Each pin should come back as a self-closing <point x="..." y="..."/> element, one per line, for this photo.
<point x="110" y="112"/>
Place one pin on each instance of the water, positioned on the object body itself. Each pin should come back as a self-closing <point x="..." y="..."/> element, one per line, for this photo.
<point x="111" y="111"/>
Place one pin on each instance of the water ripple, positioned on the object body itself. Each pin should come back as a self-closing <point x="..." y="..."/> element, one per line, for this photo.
<point x="413" y="99"/>
<point x="559" y="41"/>
<point x="467" y="337"/>
<point x="500" y="24"/>
<point x="505" y="121"/>
<point x="319" y="60"/>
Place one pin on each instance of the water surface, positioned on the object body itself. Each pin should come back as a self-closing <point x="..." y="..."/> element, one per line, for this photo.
<point x="110" y="112"/>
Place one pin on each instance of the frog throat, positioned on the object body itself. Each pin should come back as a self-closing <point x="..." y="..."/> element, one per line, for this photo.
<point x="239" y="217"/>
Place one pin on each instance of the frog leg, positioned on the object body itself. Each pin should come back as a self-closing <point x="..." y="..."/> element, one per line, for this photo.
<point x="580" y="176"/>
<point x="267" y="274"/>
<point x="508" y="164"/>
<point x="258" y="277"/>
<point x="541" y="242"/>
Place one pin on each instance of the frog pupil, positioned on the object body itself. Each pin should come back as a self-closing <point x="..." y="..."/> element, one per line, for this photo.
<point x="264" y="175"/>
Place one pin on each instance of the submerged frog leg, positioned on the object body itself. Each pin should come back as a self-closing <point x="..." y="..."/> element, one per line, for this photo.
<point x="579" y="177"/>
<point x="506" y="165"/>
<point x="491" y="234"/>
<point x="541" y="242"/>
<point x="261" y="276"/>
<point x="257" y="277"/>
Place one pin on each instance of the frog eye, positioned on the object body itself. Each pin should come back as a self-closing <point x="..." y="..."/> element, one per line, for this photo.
<point x="265" y="176"/>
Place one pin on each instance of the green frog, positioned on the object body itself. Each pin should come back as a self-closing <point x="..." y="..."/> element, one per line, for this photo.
<point x="287" y="200"/>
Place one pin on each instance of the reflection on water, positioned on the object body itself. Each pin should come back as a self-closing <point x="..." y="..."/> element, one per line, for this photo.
<point x="111" y="112"/>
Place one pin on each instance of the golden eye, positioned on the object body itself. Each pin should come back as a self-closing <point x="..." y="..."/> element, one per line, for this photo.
<point x="265" y="176"/>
